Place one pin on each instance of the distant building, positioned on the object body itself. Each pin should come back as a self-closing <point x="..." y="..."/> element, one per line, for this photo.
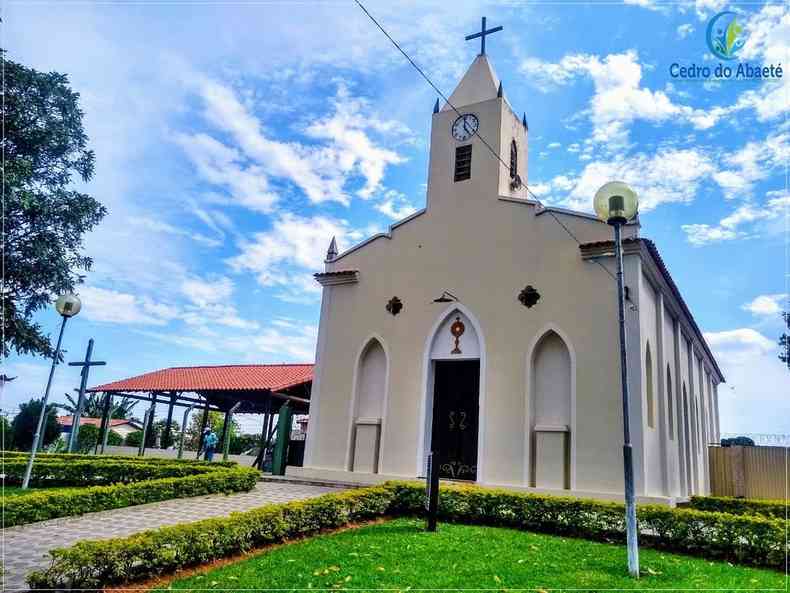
<point x="121" y="426"/>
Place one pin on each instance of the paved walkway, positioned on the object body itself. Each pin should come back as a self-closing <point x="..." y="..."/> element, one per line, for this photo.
<point x="25" y="547"/>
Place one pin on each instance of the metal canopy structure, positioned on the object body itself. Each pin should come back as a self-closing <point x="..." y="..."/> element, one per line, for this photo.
<point x="249" y="389"/>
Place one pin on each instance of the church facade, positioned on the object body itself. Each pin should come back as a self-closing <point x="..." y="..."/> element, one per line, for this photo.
<point x="480" y="329"/>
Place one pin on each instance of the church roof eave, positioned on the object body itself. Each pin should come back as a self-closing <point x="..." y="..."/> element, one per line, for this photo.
<point x="387" y="235"/>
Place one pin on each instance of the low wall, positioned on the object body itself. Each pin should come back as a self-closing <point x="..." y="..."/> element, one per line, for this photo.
<point x="245" y="460"/>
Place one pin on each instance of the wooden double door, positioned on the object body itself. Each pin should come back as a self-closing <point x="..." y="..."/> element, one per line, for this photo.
<point x="456" y="414"/>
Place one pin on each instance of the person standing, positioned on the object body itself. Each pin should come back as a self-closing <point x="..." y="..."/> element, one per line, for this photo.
<point x="209" y="443"/>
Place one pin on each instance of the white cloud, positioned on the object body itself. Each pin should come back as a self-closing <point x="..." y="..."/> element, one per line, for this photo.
<point x="351" y="149"/>
<point x="167" y="228"/>
<point x="754" y="397"/>
<point x="110" y="306"/>
<point x="292" y="242"/>
<point x="224" y="166"/>
<point x="554" y="145"/>
<point x="739" y="338"/>
<point x="286" y="341"/>
<point x="670" y="175"/>
<point x="619" y="98"/>
<point x="765" y="304"/>
<point x="729" y="227"/>
<point x="347" y="150"/>
<point x="753" y="163"/>
<point x="204" y="292"/>
<point x="684" y="30"/>
<point x="395" y="205"/>
<point x="705" y="8"/>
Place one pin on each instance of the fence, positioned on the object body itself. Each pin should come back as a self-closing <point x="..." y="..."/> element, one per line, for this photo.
<point x="750" y="472"/>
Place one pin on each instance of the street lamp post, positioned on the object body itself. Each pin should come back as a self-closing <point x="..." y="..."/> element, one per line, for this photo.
<point x="67" y="305"/>
<point x="616" y="204"/>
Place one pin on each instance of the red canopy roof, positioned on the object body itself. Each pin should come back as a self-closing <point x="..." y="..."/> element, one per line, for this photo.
<point x="233" y="377"/>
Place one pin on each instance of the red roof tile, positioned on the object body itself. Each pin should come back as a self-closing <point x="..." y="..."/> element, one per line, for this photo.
<point x="241" y="377"/>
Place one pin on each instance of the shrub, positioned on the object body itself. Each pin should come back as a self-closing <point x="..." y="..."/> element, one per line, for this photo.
<point x="114" y="438"/>
<point x="740" y="506"/>
<point x="133" y="439"/>
<point x="40" y="506"/>
<point x="91" y="564"/>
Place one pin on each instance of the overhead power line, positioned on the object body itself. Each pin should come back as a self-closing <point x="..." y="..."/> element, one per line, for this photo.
<point x="476" y="133"/>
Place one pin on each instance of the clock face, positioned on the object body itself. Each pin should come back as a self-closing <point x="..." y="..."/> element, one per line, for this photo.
<point x="465" y="126"/>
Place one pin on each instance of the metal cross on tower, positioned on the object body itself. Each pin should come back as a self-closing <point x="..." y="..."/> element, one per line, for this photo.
<point x="75" y="417"/>
<point x="482" y="35"/>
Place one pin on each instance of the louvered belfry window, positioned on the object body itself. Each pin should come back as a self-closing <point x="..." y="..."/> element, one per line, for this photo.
<point x="513" y="160"/>
<point x="463" y="162"/>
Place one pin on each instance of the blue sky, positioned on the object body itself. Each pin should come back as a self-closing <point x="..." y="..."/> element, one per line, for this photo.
<point x="233" y="140"/>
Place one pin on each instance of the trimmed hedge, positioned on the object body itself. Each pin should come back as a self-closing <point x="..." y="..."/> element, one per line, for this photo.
<point x="91" y="564"/>
<point x="89" y="470"/>
<point x="112" y="482"/>
<point x="777" y="509"/>
<point x="94" y="564"/>
<point x="738" y="538"/>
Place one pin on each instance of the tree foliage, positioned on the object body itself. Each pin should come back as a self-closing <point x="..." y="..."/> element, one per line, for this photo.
<point x="45" y="149"/>
<point x="24" y="425"/>
<point x="93" y="406"/>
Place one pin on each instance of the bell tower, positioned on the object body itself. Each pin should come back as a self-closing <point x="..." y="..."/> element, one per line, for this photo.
<point x="478" y="146"/>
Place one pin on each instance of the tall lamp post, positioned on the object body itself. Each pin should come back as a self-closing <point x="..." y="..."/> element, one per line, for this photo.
<point x="67" y="305"/>
<point x="616" y="204"/>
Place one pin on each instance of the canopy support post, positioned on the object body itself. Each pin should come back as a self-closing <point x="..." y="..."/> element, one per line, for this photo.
<point x="169" y="423"/>
<point x="203" y="424"/>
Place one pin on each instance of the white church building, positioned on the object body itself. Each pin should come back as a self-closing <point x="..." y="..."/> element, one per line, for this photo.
<point x="478" y="328"/>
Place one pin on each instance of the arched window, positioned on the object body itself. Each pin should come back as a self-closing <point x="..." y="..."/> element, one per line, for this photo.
<point x="513" y="159"/>
<point x="651" y="415"/>
<point x="670" y="405"/>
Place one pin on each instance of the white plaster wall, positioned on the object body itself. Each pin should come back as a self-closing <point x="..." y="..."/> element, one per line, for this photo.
<point x="652" y="439"/>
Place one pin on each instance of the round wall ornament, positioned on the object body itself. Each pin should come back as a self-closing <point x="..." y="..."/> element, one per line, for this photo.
<point x="394" y="306"/>
<point x="529" y="296"/>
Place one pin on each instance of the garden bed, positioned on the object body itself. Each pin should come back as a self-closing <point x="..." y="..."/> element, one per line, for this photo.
<point x="74" y="484"/>
<point x="399" y="554"/>
<point x="709" y="536"/>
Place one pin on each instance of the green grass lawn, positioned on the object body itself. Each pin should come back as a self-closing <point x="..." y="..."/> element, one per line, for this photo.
<point x="399" y="554"/>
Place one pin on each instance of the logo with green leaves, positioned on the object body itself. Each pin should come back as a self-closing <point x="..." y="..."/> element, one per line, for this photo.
<point x="725" y="35"/>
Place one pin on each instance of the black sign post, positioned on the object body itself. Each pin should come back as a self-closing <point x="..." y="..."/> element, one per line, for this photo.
<point x="432" y="491"/>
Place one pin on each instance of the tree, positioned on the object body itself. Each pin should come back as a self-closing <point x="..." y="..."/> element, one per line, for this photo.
<point x="45" y="148"/>
<point x="784" y="341"/>
<point x="93" y="406"/>
<point x="90" y="435"/>
<point x="159" y="430"/>
<point x="24" y="425"/>
<point x="6" y="434"/>
<point x="216" y="420"/>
